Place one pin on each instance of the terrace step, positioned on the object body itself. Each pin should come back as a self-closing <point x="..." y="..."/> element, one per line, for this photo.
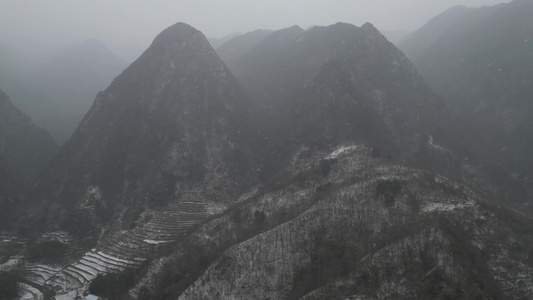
<point x="75" y="279"/>
<point x="106" y="260"/>
<point x="102" y="267"/>
<point x="88" y="275"/>
<point x="124" y="249"/>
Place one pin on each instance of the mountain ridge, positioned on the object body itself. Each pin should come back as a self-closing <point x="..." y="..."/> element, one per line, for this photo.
<point x="480" y="66"/>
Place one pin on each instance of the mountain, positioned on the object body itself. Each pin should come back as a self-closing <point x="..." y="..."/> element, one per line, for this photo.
<point x="25" y="150"/>
<point x="128" y="52"/>
<point x="163" y="148"/>
<point x="17" y="61"/>
<point x="479" y="60"/>
<point x="13" y="71"/>
<point x="329" y="85"/>
<point x="395" y="36"/>
<point x="342" y="221"/>
<point x="288" y="59"/>
<point x="234" y="48"/>
<point x="216" y="42"/>
<point x="57" y="94"/>
<point x="418" y="42"/>
<point x="279" y="68"/>
<point x="174" y="121"/>
<point x="369" y="90"/>
<point x="347" y="225"/>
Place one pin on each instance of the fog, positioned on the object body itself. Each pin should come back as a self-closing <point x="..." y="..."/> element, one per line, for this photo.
<point x="128" y="26"/>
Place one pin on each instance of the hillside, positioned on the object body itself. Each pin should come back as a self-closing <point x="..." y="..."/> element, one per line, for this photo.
<point x="234" y="48"/>
<point x="339" y="83"/>
<point x="360" y="228"/>
<point x="25" y="150"/>
<point x="479" y="60"/>
<point x="174" y="121"/>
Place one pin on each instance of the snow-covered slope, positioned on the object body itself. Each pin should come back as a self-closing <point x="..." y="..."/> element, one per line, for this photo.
<point x="363" y="229"/>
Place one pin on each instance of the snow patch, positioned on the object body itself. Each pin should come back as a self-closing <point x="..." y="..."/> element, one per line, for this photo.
<point x="491" y="64"/>
<point x="215" y="208"/>
<point x="435" y="146"/>
<point x="93" y="195"/>
<point x="446" y="206"/>
<point x="153" y="242"/>
<point x="111" y="257"/>
<point x="10" y="264"/>
<point x="342" y="150"/>
<point x="59" y="236"/>
<point x="31" y="293"/>
<point x="68" y="296"/>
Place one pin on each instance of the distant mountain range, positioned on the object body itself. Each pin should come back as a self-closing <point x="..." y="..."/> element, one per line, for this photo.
<point x="235" y="47"/>
<point x="216" y="42"/>
<point x="59" y="93"/>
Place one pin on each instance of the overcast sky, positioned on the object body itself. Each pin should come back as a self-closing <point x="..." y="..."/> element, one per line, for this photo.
<point x="124" y="23"/>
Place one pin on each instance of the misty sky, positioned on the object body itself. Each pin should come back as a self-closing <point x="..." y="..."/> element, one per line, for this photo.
<point x="134" y="23"/>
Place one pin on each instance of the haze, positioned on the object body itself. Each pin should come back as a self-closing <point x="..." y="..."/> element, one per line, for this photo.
<point x="128" y="26"/>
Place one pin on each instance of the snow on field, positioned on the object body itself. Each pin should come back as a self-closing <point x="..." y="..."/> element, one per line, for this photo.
<point x="60" y="236"/>
<point x="69" y="296"/>
<point x="116" y="259"/>
<point x="152" y="242"/>
<point x="87" y="270"/>
<point x="446" y="206"/>
<point x="10" y="264"/>
<point x="340" y="151"/>
<point x="30" y="293"/>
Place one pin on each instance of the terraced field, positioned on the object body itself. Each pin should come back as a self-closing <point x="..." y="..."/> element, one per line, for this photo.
<point x="121" y="249"/>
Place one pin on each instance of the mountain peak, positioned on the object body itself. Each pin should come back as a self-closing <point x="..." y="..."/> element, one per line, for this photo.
<point x="370" y="28"/>
<point x="289" y="31"/>
<point x="368" y="25"/>
<point x="92" y="42"/>
<point x="174" y="50"/>
<point x="178" y="34"/>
